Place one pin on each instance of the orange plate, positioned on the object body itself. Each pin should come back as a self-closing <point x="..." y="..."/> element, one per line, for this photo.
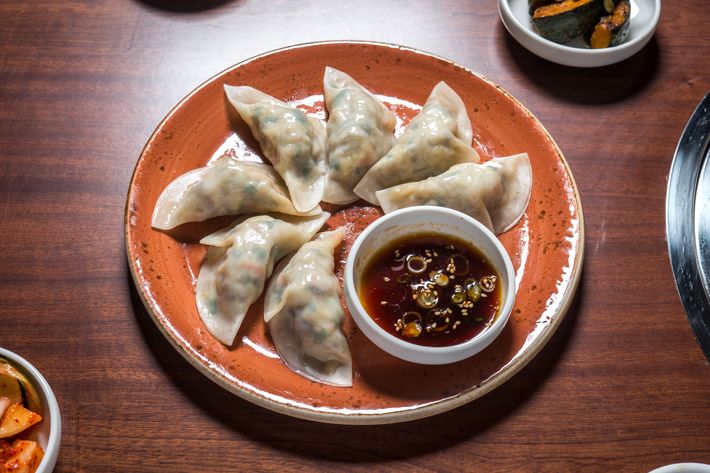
<point x="546" y="246"/>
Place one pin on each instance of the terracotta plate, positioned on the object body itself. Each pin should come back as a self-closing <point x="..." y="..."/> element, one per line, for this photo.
<point x="546" y="246"/>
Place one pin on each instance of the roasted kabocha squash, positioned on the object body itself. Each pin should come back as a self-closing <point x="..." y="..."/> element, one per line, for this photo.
<point x="535" y="4"/>
<point x="609" y="5"/>
<point x="563" y="21"/>
<point x="612" y="29"/>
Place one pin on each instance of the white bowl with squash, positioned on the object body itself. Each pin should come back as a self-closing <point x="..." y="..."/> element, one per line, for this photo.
<point x="30" y="422"/>
<point x="581" y="33"/>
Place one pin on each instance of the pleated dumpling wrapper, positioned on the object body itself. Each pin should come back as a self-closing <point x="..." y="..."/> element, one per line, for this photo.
<point x="436" y="139"/>
<point x="242" y="257"/>
<point x="496" y="193"/>
<point x="225" y="187"/>
<point x="291" y="140"/>
<point x="360" y="131"/>
<point x="302" y="308"/>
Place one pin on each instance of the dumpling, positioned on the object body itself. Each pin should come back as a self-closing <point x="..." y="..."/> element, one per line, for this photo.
<point x="302" y="307"/>
<point x="226" y="187"/>
<point x="233" y="274"/>
<point x="360" y="131"/>
<point x="496" y="193"/>
<point x="293" y="141"/>
<point x="436" y="139"/>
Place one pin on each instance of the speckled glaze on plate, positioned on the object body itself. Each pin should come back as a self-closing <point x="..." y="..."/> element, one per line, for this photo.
<point x="546" y="246"/>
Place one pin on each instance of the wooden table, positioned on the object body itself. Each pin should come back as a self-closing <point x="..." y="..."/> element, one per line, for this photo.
<point x="622" y="386"/>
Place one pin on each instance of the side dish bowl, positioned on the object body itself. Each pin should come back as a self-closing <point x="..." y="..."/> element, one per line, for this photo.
<point x="427" y="219"/>
<point x="683" y="468"/>
<point x="644" y="20"/>
<point x="48" y="432"/>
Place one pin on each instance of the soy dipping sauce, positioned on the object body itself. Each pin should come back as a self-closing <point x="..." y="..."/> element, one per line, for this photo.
<point x="431" y="289"/>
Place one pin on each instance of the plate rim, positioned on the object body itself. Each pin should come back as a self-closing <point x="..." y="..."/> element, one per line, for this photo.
<point x="409" y="413"/>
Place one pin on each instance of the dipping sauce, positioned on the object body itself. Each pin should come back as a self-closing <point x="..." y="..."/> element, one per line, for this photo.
<point x="431" y="289"/>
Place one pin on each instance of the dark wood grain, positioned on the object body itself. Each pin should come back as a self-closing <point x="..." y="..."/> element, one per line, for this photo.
<point x="622" y="386"/>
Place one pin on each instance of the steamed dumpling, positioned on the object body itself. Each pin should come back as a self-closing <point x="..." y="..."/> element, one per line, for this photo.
<point x="436" y="139"/>
<point x="496" y="193"/>
<point x="226" y="187"/>
<point x="302" y="308"/>
<point x="242" y="257"/>
<point x="293" y="141"/>
<point x="360" y="131"/>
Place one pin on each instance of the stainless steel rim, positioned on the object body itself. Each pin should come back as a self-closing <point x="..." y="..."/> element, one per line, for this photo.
<point x="688" y="222"/>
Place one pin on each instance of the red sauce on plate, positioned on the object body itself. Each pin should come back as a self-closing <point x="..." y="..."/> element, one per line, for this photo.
<point x="431" y="289"/>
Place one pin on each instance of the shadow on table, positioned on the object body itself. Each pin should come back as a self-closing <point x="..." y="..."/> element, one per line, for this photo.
<point x="592" y="86"/>
<point x="184" y="6"/>
<point x="343" y="443"/>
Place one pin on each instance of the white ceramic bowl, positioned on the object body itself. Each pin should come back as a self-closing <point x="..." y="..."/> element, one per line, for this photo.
<point x="683" y="468"/>
<point x="644" y="19"/>
<point x="417" y="220"/>
<point x="48" y="432"/>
